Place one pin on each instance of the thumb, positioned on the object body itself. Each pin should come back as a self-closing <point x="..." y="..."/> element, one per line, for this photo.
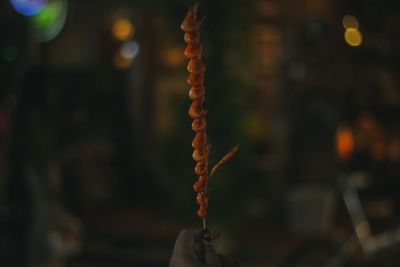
<point x="211" y="255"/>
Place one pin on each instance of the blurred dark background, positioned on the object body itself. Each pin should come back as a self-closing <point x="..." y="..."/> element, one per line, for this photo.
<point x="95" y="140"/>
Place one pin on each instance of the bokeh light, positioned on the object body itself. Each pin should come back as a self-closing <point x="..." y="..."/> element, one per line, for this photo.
<point x="46" y="17"/>
<point x="173" y="57"/>
<point x="48" y="23"/>
<point x="366" y="121"/>
<point x="349" y="21"/>
<point x="379" y="147"/>
<point x="94" y="125"/>
<point x="129" y="49"/>
<point x="363" y="230"/>
<point x="123" y="29"/>
<point x="353" y="37"/>
<point x="254" y="126"/>
<point x="122" y="62"/>
<point x="28" y="7"/>
<point x="344" y="142"/>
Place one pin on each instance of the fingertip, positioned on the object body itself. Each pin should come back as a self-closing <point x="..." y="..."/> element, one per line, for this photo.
<point x="189" y="235"/>
<point x="190" y="231"/>
<point x="185" y="242"/>
<point x="210" y="255"/>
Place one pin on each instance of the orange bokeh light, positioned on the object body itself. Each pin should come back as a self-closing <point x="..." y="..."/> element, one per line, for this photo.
<point x="345" y="143"/>
<point x="123" y="29"/>
<point x="122" y="62"/>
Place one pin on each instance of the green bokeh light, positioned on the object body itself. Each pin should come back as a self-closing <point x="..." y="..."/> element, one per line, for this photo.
<point x="46" y="17"/>
<point x="48" y="23"/>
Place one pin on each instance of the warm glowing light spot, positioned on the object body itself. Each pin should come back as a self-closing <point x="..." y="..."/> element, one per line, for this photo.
<point x="366" y="121"/>
<point x="122" y="62"/>
<point x="353" y="37"/>
<point x="379" y="147"/>
<point x="363" y="230"/>
<point x="123" y="29"/>
<point x="173" y="57"/>
<point x="345" y="143"/>
<point x="350" y="21"/>
<point x="254" y="126"/>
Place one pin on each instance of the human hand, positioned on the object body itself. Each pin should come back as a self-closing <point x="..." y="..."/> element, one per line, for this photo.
<point x="190" y="251"/>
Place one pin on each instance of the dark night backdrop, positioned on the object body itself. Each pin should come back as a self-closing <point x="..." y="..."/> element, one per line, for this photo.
<point x="95" y="140"/>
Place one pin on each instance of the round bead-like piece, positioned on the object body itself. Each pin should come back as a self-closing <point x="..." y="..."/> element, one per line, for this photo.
<point x="195" y="66"/>
<point x="200" y="168"/>
<point x="199" y="186"/>
<point x="194" y="110"/>
<point x="202" y="199"/>
<point x="199" y="140"/>
<point x="198" y="124"/>
<point x="193" y="51"/>
<point x="198" y="155"/>
<point x="192" y="37"/>
<point x="202" y="212"/>
<point x="195" y="80"/>
<point x="196" y="93"/>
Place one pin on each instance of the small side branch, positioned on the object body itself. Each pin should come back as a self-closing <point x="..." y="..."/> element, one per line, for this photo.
<point x="224" y="159"/>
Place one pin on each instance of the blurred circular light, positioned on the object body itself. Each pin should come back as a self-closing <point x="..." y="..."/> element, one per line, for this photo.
<point x="363" y="230"/>
<point x="173" y="57"/>
<point x="379" y="147"/>
<point x="28" y="7"/>
<point x="353" y="37"/>
<point x="48" y="23"/>
<point x="123" y="29"/>
<point x="367" y="121"/>
<point x="129" y="49"/>
<point x="122" y="62"/>
<point x="350" y="21"/>
<point x="254" y="126"/>
<point x="344" y="142"/>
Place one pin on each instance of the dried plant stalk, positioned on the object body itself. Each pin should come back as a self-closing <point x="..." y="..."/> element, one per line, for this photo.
<point x="196" y="68"/>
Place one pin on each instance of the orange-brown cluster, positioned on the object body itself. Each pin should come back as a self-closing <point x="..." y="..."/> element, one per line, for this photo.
<point x="196" y="68"/>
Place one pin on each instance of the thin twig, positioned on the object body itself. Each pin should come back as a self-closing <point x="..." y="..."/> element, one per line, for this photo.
<point x="224" y="159"/>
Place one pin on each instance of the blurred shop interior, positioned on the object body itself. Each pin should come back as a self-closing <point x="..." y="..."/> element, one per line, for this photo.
<point x="95" y="138"/>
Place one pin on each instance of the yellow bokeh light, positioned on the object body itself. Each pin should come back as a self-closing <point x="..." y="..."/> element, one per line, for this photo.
<point x="353" y="37"/>
<point x="123" y="29"/>
<point x="254" y="126"/>
<point x="350" y="21"/>
<point x="363" y="230"/>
